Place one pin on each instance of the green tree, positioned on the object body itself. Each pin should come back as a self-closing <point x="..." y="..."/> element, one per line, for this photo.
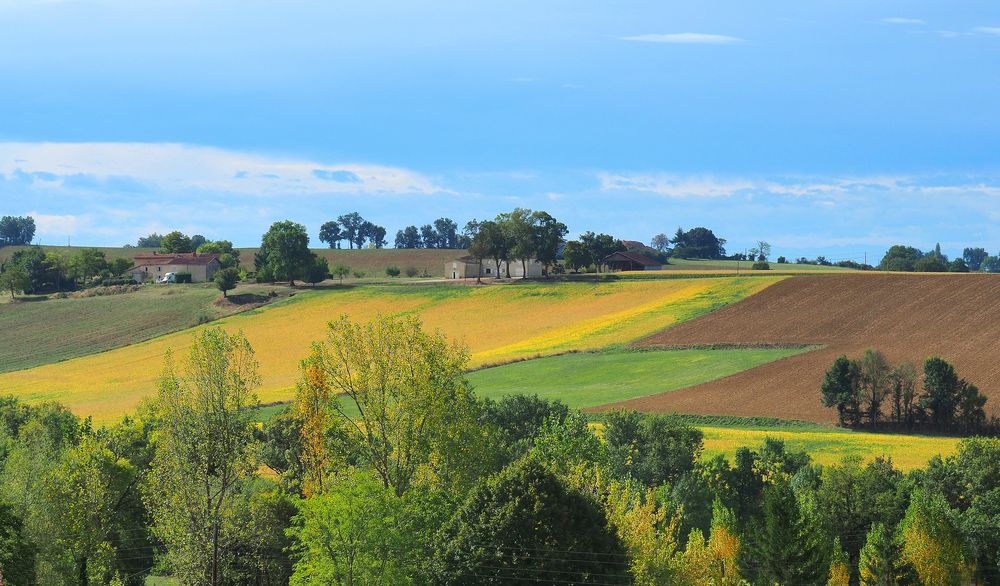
<point x="660" y="243"/>
<point x="319" y="270"/>
<point x="350" y="226"/>
<point x="284" y="252"/>
<point x="15" y="280"/>
<point x="941" y="388"/>
<point x="392" y="271"/>
<point x="974" y="258"/>
<point x="228" y="256"/>
<point x="226" y="280"/>
<point x="600" y="246"/>
<point x="881" y="559"/>
<point x="330" y="233"/>
<point x="874" y="384"/>
<point x="786" y="547"/>
<point x="495" y="241"/>
<point x="840" y="390"/>
<point x="577" y="256"/>
<point x="518" y="526"/>
<point x="177" y="241"/>
<point x="88" y="262"/>
<point x="904" y="393"/>
<point x="16" y="230"/>
<point x="548" y="234"/>
<point x="408" y="237"/>
<point x="17" y="553"/>
<point x="154" y="240"/>
<point x="653" y="449"/>
<point x="698" y="242"/>
<point x="402" y="398"/>
<point x="900" y="258"/>
<point x="204" y="454"/>
<point x="352" y="534"/>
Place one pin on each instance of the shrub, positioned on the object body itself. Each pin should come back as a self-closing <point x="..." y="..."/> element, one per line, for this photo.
<point x="359" y="274"/>
<point x="782" y="260"/>
<point x="114" y="282"/>
<point x="182" y="278"/>
<point x="761" y="266"/>
<point x="412" y="271"/>
<point x="392" y="271"/>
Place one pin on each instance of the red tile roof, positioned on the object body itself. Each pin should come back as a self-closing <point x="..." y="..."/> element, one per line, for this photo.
<point x="178" y="258"/>
<point x="634" y="257"/>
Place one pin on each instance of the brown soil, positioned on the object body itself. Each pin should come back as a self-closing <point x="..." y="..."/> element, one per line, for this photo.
<point x="908" y="317"/>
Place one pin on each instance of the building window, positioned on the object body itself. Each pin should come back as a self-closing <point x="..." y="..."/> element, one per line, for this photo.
<point x="487" y="271"/>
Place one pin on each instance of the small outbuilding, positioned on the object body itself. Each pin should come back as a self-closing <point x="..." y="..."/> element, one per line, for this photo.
<point x="630" y="261"/>
<point x="469" y="267"/>
<point x="152" y="266"/>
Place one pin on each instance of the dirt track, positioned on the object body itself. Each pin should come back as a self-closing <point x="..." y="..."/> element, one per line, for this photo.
<point x="909" y="317"/>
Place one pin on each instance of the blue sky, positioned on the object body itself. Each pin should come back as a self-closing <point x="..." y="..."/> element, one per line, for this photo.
<point x="825" y="127"/>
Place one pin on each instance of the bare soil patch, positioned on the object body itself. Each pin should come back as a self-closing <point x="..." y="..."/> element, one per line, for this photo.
<point x="909" y="317"/>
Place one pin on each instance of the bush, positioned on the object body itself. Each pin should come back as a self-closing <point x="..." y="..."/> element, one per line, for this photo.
<point x="114" y="282"/>
<point x="782" y="260"/>
<point x="412" y="271"/>
<point x="359" y="274"/>
<point x="761" y="266"/>
<point x="182" y="278"/>
<point x="392" y="271"/>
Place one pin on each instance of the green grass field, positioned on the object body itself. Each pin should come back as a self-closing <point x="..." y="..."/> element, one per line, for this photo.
<point x="589" y="379"/>
<point x="52" y="330"/>
<point x="711" y="265"/>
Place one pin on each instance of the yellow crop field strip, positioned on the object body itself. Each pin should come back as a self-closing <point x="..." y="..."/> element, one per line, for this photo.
<point x="498" y="323"/>
<point x="830" y="447"/>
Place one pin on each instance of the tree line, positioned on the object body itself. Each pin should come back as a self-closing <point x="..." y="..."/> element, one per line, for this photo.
<point x="443" y="233"/>
<point x="521" y="235"/>
<point x="386" y="468"/>
<point x="908" y="258"/>
<point x="870" y="391"/>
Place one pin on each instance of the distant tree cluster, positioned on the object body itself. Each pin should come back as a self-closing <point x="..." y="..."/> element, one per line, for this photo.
<point x="520" y="235"/>
<point x="698" y="242"/>
<point x="908" y="258"/>
<point x="16" y="230"/>
<point x="870" y="391"/>
<point x="357" y="231"/>
<point x="443" y="233"/>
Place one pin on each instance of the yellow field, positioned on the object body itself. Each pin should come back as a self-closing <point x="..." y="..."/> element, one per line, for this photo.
<point x="829" y="447"/>
<point x="499" y="324"/>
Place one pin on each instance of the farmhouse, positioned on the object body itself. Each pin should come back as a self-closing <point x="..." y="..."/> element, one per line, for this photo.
<point x="631" y="261"/>
<point x="152" y="266"/>
<point x="469" y="267"/>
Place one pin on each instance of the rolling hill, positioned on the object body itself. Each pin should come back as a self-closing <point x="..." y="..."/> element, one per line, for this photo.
<point x="908" y="317"/>
<point x="500" y="323"/>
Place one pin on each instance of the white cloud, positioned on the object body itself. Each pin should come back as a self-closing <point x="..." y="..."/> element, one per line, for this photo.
<point x="696" y="38"/>
<point x="903" y="20"/>
<point x="59" y="225"/>
<point x="133" y="167"/>
<point x="682" y="186"/>
<point x="988" y="30"/>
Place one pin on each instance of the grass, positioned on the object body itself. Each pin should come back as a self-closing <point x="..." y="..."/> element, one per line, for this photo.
<point x="591" y="379"/>
<point x="499" y="323"/>
<point x="831" y="445"/>
<point x="52" y="330"/>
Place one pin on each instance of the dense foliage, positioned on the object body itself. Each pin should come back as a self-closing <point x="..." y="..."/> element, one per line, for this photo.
<point x="388" y="470"/>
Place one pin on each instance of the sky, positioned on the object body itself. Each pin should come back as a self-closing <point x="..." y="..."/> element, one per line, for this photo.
<point x="833" y="128"/>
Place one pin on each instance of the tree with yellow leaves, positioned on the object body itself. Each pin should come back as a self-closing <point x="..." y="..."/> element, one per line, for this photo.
<point x="646" y="529"/>
<point x="840" y="566"/>
<point x="714" y="561"/>
<point x="931" y="541"/>
<point x="312" y="406"/>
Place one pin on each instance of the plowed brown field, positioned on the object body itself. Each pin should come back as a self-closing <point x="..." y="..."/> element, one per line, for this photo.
<point x="908" y="317"/>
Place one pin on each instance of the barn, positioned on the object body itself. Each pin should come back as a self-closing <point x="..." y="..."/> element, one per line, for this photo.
<point x="630" y="261"/>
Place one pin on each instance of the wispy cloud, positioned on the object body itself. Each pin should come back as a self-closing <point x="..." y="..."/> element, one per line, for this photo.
<point x="682" y="186"/>
<point x="689" y="38"/>
<point x="139" y="167"/>
<point x="903" y="20"/>
<point x="988" y="30"/>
